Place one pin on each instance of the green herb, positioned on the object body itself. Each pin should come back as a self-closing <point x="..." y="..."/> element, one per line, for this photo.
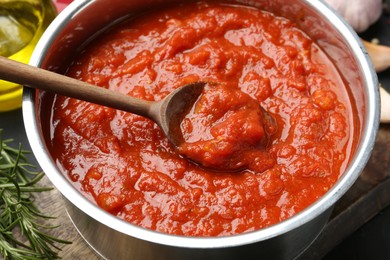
<point x="18" y="213"/>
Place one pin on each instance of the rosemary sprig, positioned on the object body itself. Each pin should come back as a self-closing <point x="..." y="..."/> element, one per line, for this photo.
<point x="18" y="182"/>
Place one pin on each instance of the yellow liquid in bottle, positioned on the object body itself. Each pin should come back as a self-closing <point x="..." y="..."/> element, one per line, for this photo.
<point x="22" y="23"/>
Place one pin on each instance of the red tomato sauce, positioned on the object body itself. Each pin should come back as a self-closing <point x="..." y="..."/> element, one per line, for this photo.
<point x="227" y="130"/>
<point x="303" y="135"/>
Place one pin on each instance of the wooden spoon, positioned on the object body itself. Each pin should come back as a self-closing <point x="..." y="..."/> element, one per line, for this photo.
<point x="167" y="113"/>
<point x="379" y="54"/>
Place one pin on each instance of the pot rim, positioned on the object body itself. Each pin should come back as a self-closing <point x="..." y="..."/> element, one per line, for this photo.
<point x="363" y="151"/>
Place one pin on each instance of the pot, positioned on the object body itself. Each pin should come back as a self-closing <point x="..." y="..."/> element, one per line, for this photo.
<point x="113" y="238"/>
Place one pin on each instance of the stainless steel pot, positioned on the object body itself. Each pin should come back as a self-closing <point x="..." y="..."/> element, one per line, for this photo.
<point x="116" y="239"/>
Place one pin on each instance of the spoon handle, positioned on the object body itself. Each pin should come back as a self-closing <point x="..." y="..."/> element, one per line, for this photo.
<point x="34" y="77"/>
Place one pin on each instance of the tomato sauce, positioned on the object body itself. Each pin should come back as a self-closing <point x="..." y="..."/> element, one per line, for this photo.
<point x="287" y="130"/>
<point x="226" y="130"/>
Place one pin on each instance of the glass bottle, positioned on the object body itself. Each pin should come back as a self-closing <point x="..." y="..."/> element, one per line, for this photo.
<point x="22" y="23"/>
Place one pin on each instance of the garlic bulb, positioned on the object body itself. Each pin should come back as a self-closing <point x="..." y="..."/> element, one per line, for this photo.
<point x="379" y="54"/>
<point x="360" y="14"/>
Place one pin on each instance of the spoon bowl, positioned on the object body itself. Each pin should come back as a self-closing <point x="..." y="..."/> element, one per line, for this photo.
<point x="167" y="113"/>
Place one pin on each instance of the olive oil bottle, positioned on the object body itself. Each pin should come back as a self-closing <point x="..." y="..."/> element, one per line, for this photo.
<point x="22" y="23"/>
